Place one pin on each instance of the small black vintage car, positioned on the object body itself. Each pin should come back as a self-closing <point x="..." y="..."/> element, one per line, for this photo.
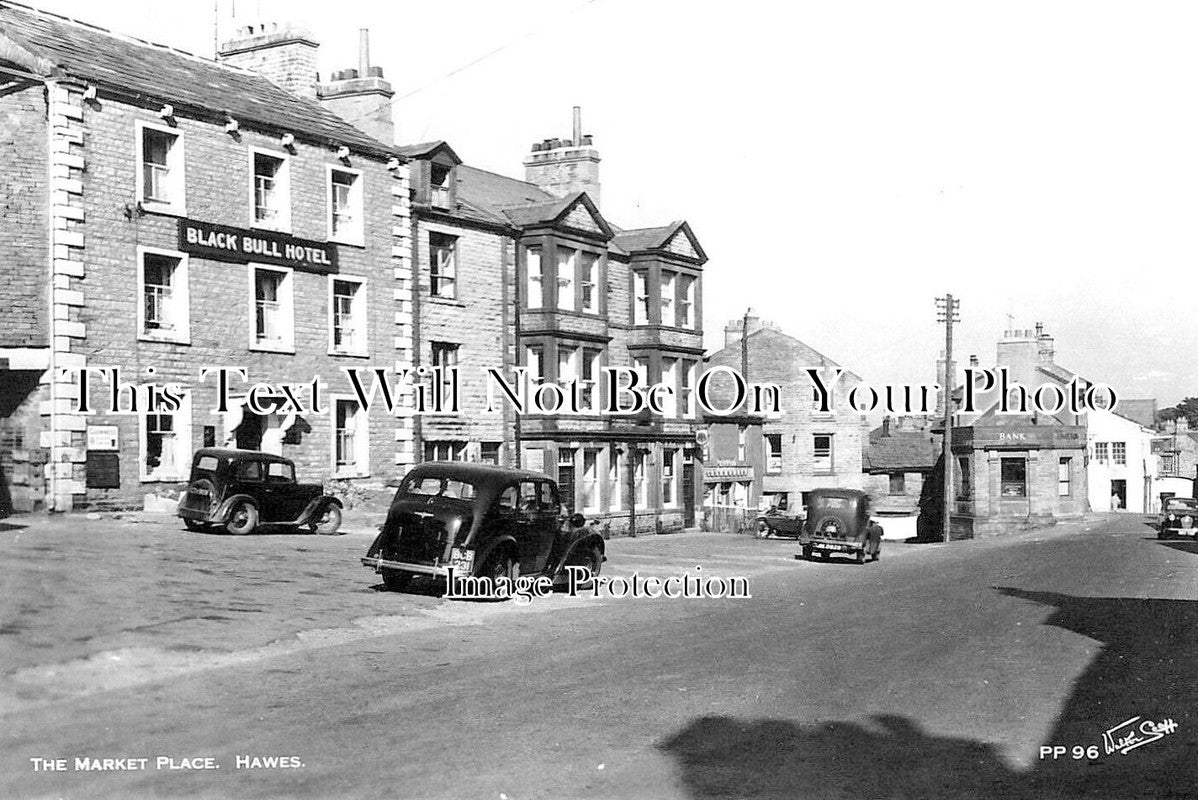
<point x="242" y="489"/>
<point x="483" y="521"/>
<point x="838" y="521"/>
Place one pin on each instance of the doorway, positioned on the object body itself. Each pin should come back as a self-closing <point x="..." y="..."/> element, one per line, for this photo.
<point x="1118" y="494"/>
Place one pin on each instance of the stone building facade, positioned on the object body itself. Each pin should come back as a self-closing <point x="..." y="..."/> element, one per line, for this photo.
<point x="169" y="213"/>
<point x="528" y="274"/>
<point x="802" y="446"/>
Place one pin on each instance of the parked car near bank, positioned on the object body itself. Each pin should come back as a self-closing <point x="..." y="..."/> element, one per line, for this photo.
<point x="483" y="521"/>
<point x="240" y="490"/>
<point x="1178" y="517"/>
<point x="838" y="521"/>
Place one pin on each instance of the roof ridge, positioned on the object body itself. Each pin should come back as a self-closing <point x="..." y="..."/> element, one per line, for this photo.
<point x="132" y="39"/>
<point x="505" y="177"/>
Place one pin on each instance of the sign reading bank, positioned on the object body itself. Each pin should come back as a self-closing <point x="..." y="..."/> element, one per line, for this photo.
<point x="224" y="243"/>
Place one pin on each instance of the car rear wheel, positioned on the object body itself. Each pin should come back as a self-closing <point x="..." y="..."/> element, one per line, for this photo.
<point x="326" y="521"/>
<point x="397" y="581"/>
<point x="242" y="519"/>
<point x="500" y="565"/>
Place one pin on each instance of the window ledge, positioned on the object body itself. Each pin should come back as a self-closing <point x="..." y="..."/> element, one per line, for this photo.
<point x="156" y="478"/>
<point x="149" y="337"/>
<point x="349" y="242"/>
<point x="446" y="301"/>
<point x="165" y="209"/>
<point x="258" y="347"/>
<point x="340" y="475"/>
<point x="348" y="353"/>
<point x="283" y="229"/>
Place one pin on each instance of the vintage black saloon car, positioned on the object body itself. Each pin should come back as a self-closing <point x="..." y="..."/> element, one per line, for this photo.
<point x="838" y="521"/>
<point x="242" y="489"/>
<point x="483" y="521"/>
<point x="1178" y="517"/>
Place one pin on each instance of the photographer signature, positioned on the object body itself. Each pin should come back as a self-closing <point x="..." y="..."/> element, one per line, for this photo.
<point x="1127" y="736"/>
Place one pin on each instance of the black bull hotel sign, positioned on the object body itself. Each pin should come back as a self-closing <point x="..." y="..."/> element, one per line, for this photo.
<point x="264" y="247"/>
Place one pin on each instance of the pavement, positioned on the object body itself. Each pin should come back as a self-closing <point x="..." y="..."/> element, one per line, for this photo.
<point x="943" y="670"/>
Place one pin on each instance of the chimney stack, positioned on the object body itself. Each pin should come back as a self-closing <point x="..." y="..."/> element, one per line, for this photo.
<point x="361" y="96"/>
<point x="284" y="54"/>
<point x="563" y="167"/>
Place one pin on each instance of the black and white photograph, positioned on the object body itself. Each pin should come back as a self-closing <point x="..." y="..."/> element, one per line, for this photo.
<point x="598" y="400"/>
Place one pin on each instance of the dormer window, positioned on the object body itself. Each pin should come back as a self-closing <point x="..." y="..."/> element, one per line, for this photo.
<point x="439" y="195"/>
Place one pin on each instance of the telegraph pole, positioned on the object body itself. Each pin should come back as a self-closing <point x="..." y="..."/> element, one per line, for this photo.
<point x="946" y="311"/>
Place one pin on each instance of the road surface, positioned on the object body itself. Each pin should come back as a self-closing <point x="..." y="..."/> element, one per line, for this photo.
<point x="941" y="671"/>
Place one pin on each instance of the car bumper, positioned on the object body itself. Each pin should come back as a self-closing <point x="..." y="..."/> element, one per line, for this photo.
<point x="1190" y="532"/>
<point x="378" y="564"/>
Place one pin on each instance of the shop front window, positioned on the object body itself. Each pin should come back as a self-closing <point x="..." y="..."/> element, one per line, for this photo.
<point x="1013" y="477"/>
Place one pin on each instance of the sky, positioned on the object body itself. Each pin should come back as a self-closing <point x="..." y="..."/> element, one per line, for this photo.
<point x="843" y="163"/>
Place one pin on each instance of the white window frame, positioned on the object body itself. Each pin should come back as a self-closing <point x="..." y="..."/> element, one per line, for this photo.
<point x="361" y="466"/>
<point x="456" y="449"/>
<point x="282" y="189"/>
<point x="534" y="360"/>
<point x="591" y="387"/>
<point x="286" y="301"/>
<point x="534" y="287"/>
<point x="773" y="463"/>
<point x="182" y="428"/>
<point x="180" y="302"/>
<point x="356" y="236"/>
<point x="615" y="478"/>
<point x="360" y="313"/>
<point x="640" y="476"/>
<point x="688" y="319"/>
<point x="588" y="277"/>
<point x="689" y="375"/>
<point x="176" y="164"/>
<point x="823" y="466"/>
<point x="567" y="280"/>
<point x="669" y="287"/>
<point x="671" y="367"/>
<point x="670" y="463"/>
<point x="596" y="482"/>
<point x="640" y="297"/>
<point x="434" y="289"/>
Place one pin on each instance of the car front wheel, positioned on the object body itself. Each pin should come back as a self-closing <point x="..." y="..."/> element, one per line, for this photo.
<point x="242" y="519"/>
<point x="326" y="521"/>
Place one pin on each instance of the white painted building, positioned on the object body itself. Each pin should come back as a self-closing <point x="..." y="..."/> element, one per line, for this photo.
<point x="1121" y="463"/>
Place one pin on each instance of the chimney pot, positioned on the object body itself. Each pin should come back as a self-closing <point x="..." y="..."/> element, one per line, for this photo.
<point x="363" y="51"/>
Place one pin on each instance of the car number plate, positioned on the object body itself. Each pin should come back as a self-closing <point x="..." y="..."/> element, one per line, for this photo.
<point x="836" y="547"/>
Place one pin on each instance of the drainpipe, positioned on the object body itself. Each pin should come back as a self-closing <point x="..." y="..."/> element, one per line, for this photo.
<point x="52" y="481"/>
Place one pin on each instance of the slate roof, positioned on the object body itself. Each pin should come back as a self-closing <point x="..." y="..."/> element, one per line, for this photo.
<point x="161" y="74"/>
<point x="646" y="238"/>
<point x="899" y="451"/>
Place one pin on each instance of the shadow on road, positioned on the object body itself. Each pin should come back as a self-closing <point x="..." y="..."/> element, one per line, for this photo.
<point x="1148" y="667"/>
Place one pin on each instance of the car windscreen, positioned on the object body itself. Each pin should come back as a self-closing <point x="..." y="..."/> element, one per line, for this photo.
<point x="453" y="488"/>
<point x="1181" y="505"/>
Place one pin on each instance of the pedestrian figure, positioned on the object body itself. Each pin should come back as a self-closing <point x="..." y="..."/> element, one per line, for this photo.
<point x="1115" y="503"/>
